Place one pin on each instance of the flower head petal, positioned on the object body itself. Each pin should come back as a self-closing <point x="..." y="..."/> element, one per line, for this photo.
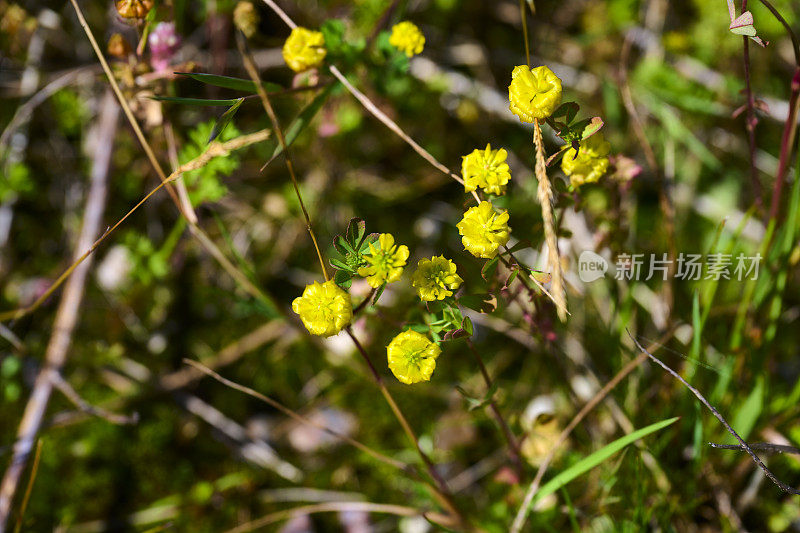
<point x="324" y="308"/>
<point x="412" y="357"/>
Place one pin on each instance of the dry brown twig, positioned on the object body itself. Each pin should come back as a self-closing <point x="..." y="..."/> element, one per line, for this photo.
<point x="329" y="507"/>
<point x="215" y="149"/>
<point x="68" y="311"/>
<point x="744" y="446"/>
<point x="298" y="417"/>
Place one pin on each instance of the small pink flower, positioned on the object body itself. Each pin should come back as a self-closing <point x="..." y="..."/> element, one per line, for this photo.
<point x="164" y="41"/>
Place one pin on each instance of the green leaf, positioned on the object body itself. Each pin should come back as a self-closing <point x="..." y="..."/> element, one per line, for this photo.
<point x="467" y="325"/>
<point x="489" y="267"/>
<point x="339" y="265"/>
<point x="511" y="278"/>
<point x="593" y="127"/>
<point x="378" y="294"/>
<point x="227" y="82"/>
<point x="302" y="120"/>
<point x="586" y="464"/>
<point x="521" y="245"/>
<point x="343" y="279"/>
<point x="194" y="101"/>
<point x="568" y="110"/>
<point x="482" y="303"/>
<point x="356" y="229"/>
<point x="477" y="403"/>
<point x="223" y="120"/>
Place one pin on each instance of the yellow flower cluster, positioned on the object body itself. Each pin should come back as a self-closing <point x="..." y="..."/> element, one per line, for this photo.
<point x="486" y="169"/>
<point x="534" y="93"/>
<point x="483" y="230"/>
<point x="407" y="38"/>
<point x="385" y="262"/>
<point x="412" y="357"/>
<point x="435" y="278"/>
<point x="324" y="308"/>
<point x="591" y="162"/>
<point x="304" y="49"/>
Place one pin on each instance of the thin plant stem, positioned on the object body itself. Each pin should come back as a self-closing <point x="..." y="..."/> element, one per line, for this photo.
<point x="213" y="150"/>
<point x="360" y="307"/>
<point x="188" y="213"/>
<point x="443" y="492"/>
<point x="513" y="445"/>
<point x="750" y="118"/>
<point x="374" y="110"/>
<point x="524" y="18"/>
<point x="524" y="279"/>
<point x="787" y="145"/>
<point x="300" y="418"/>
<point x="29" y="489"/>
<point x="341" y="507"/>
<point x="185" y="210"/>
<point x="664" y="201"/>
<point x="250" y="66"/>
<point x="792" y="35"/>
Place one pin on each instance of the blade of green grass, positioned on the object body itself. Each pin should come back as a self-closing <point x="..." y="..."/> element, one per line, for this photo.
<point x="302" y="121"/>
<point x="586" y="464"/>
<point x="224" y="120"/>
<point x="194" y="101"/>
<point x="227" y="82"/>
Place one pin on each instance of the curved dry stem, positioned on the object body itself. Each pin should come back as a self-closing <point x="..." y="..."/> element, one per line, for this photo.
<point x="215" y="149"/>
<point x="300" y="418"/>
<point x="442" y="493"/>
<point x="330" y="507"/>
<point x="252" y="71"/>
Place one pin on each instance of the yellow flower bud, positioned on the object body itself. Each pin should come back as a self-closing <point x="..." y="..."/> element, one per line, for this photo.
<point x="486" y="169"/>
<point x="245" y="17"/>
<point x="412" y="357"/>
<point x="407" y="38"/>
<point x="533" y="93"/>
<point x="483" y="230"/>
<point x="591" y="163"/>
<point x="435" y="278"/>
<point x="304" y="49"/>
<point x="324" y="308"/>
<point x="131" y="9"/>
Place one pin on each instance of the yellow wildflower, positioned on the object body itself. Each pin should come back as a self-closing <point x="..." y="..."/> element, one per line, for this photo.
<point x="435" y="278"/>
<point x="412" y="357"/>
<point x="483" y="230"/>
<point x="386" y="261"/>
<point x="407" y="38"/>
<point x="591" y="163"/>
<point x="533" y="93"/>
<point x="486" y="169"/>
<point x="304" y="49"/>
<point x="246" y="18"/>
<point x="324" y="308"/>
